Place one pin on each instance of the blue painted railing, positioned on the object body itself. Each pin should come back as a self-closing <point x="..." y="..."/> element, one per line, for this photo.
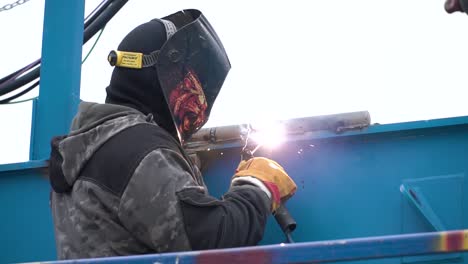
<point x="311" y="252"/>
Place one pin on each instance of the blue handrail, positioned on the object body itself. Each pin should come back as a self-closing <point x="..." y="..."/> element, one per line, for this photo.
<point x="312" y="252"/>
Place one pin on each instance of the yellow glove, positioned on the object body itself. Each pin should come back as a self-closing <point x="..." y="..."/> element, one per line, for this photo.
<point x="272" y="175"/>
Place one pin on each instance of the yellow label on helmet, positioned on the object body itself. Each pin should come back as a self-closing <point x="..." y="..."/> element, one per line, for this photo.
<point x="129" y="59"/>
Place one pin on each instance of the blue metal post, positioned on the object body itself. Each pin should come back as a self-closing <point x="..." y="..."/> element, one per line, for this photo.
<point x="59" y="92"/>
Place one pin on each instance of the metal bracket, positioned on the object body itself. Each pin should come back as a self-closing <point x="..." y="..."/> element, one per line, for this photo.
<point x="417" y="198"/>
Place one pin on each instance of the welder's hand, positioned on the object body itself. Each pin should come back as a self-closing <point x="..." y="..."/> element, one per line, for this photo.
<point x="280" y="186"/>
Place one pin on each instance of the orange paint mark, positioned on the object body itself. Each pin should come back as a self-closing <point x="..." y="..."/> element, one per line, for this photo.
<point x="454" y="241"/>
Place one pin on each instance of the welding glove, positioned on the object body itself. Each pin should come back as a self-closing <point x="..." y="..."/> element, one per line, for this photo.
<point x="269" y="176"/>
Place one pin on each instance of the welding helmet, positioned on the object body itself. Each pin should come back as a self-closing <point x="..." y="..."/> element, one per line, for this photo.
<point x="191" y="66"/>
<point x="452" y="6"/>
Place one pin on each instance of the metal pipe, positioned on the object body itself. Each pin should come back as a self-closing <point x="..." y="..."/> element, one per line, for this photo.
<point x="336" y="123"/>
<point x="358" y="249"/>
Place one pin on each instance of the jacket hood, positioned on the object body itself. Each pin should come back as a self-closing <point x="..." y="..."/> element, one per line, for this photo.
<point x="94" y="125"/>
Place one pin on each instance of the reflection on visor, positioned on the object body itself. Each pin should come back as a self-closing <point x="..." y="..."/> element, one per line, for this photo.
<point x="188" y="103"/>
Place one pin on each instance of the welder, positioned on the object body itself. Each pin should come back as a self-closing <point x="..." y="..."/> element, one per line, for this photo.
<point x="122" y="182"/>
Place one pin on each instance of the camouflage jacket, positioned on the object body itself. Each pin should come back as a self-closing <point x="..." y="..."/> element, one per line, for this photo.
<point x="162" y="205"/>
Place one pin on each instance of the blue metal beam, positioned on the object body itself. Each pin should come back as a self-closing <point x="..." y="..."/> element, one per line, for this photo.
<point x="313" y="252"/>
<point x="59" y="92"/>
<point x="21" y="166"/>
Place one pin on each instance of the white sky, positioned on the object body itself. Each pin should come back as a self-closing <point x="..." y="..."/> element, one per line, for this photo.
<point x="402" y="60"/>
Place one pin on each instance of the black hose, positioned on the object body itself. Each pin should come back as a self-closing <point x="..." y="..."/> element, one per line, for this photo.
<point x="92" y="17"/>
<point x="285" y="221"/>
<point x="29" y="77"/>
<point x="96" y="12"/>
<point x="11" y="75"/>
<point x="102" y="18"/>
<point x="7" y="100"/>
<point x="12" y="78"/>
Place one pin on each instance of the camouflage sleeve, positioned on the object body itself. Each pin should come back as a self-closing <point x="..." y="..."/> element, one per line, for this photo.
<point x="167" y="210"/>
<point x="149" y="206"/>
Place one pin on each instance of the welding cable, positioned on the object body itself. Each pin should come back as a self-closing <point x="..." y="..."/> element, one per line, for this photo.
<point x="17" y="83"/>
<point x="13" y="77"/>
<point x="7" y="100"/>
<point x="20" y="101"/>
<point x="102" y="18"/>
<point x="19" y="72"/>
<point x="88" y="20"/>
<point x="96" y="12"/>
<point x="10" y="76"/>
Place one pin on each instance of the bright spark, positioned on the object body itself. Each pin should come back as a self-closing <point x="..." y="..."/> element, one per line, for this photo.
<point x="269" y="135"/>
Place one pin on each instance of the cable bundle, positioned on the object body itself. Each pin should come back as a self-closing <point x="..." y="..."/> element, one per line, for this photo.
<point x="30" y="74"/>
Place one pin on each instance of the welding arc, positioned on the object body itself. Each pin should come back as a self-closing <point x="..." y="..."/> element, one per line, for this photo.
<point x="99" y="18"/>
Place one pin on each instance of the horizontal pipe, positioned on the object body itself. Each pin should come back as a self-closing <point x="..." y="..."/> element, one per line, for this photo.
<point x="336" y="123"/>
<point x="196" y="143"/>
<point x="313" y="252"/>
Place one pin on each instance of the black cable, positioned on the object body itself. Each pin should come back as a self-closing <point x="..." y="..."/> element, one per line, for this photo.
<point x="14" y="76"/>
<point x="88" y="20"/>
<point x="6" y="78"/>
<point x="101" y="19"/>
<point x="27" y="78"/>
<point x="96" y="12"/>
<point x="7" y="100"/>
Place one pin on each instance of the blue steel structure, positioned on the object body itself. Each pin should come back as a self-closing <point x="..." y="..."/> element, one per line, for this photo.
<point x="23" y="190"/>
<point x="59" y="93"/>
<point x="366" y="196"/>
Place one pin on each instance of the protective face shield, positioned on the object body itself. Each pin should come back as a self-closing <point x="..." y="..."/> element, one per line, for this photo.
<point x="452" y="6"/>
<point x="191" y="65"/>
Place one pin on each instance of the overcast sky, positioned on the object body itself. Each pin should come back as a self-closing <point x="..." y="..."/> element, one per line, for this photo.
<point x="402" y="60"/>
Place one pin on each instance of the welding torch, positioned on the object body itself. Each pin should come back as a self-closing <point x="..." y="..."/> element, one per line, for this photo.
<point x="282" y="215"/>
